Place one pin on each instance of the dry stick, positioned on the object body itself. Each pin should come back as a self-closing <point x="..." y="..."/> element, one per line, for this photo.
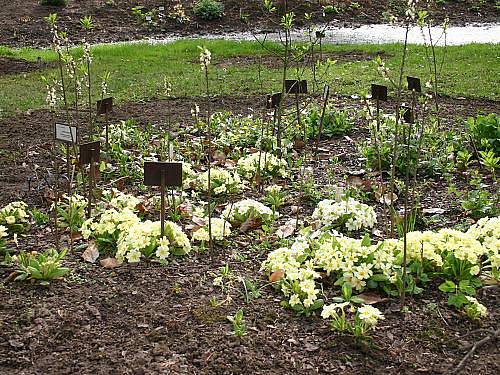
<point x="379" y="162"/>
<point x="435" y="86"/>
<point x="405" y="223"/>
<point x="474" y="347"/>
<point x="395" y="150"/>
<point x="210" y="240"/>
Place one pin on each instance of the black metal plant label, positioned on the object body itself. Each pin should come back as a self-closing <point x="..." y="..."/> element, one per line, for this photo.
<point x="294" y="86"/>
<point x="414" y="84"/>
<point x="379" y="92"/>
<point x="172" y="173"/>
<point x="408" y="115"/>
<point x="273" y="101"/>
<point x="90" y="152"/>
<point x="105" y="106"/>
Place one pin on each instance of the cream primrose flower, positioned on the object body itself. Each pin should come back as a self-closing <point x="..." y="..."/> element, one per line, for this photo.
<point x="220" y="229"/>
<point x="329" y="212"/>
<point x="162" y="252"/>
<point x="330" y="311"/>
<point x="10" y="220"/>
<point x="273" y="189"/>
<point x="3" y="231"/>
<point x="110" y="221"/>
<point x="270" y="165"/>
<point x="222" y="181"/>
<point x="143" y="237"/>
<point x="242" y="210"/>
<point x="479" y="309"/>
<point x="369" y="314"/>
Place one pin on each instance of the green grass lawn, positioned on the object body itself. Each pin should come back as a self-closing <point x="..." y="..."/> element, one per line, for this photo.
<point x="137" y="71"/>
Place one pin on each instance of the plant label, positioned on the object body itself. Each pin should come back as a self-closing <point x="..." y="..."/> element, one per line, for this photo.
<point x="161" y="9"/>
<point x="273" y="101"/>
<point x="104" y="106"/>
<point x="90" y="152"/>
<point x="379" y="92"/>
<point x="320" y="34"/>
<point x="171" y="171"/>
<point x="326" y="93"/>
<point x="414" y="84"/>
<point x="294" y="86"/>
<point x="408" y="115"/>
<point x="65" y="133"/>
<point x="148" y="18"/>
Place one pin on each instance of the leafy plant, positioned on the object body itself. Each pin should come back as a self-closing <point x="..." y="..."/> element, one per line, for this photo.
<point x="480" y="203"/>
<point x="39" y="217"/>
<point x="238" y="322"/>
<point x="335" y="122"/>
<point x="485" y="131"/>
<point x="208" y="9"/>
<point x="40" y="267"/>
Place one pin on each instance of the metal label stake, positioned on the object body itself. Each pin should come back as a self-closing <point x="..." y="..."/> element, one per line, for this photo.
<point x="90" y="154"/>
<point x="379" y="93"/>
<point x="162" y="174"/>
<point x="104" y="107"/>
<point x="326" y="96"/>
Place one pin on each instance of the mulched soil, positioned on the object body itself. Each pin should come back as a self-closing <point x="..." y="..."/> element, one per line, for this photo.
<point x="150" y="318"/>
<point x="23" y="25"/>
<point x="274" y="62"/>
<point x="11" y="65"/>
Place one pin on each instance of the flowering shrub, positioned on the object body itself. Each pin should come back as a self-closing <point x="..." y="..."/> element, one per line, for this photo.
<point x="14" y="217"/>
<point x="222" y="181"/>
<point x="348" y="214"/>
<point x="270" y="166"/>
<point x="143" y="238"/>
<point x="107" y="228"/>
<point x="241" y="211"/>
<point x="320" y="254"/>
<point x="220" y="229"/>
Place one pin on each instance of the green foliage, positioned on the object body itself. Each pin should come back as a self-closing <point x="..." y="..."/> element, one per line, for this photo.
<point x="208" y="9"/>
<point x="480" y="203"/>
<point x="41" y="267"/>
<point x="39" y="217"/>
<point x="238" y="322"/>
<point x="485" y="131"/>
<point x="335" y="122"/>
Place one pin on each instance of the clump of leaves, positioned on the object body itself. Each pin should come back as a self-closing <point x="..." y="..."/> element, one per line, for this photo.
<point x="238" y="322"/>
<point x="43" y="267"/>
<point x="485" y="131"/>
<point x="208" y="9"/>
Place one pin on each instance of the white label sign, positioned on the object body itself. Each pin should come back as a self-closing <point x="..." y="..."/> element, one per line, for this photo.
<point x="148" y="18"/>
<point x="161" y="9"/>
<point x="66" y="133"/>
<point x="326" y="92"/>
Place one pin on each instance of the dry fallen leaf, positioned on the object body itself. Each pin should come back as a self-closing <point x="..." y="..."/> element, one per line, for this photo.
<point x="287" y="229"/>
<point x="91" y="253"/>
<point x="109" y="263"/>
<point x="276" y="276"/>
<point x="371" y="298"/>
<point x="250" y="224"/>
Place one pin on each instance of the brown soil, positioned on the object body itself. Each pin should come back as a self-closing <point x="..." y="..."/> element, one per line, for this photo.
<point x="150" y="319"/>
<point x="275" y="62"/>
<point x="23" y="25"/>
<point x="11" y="65"/>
